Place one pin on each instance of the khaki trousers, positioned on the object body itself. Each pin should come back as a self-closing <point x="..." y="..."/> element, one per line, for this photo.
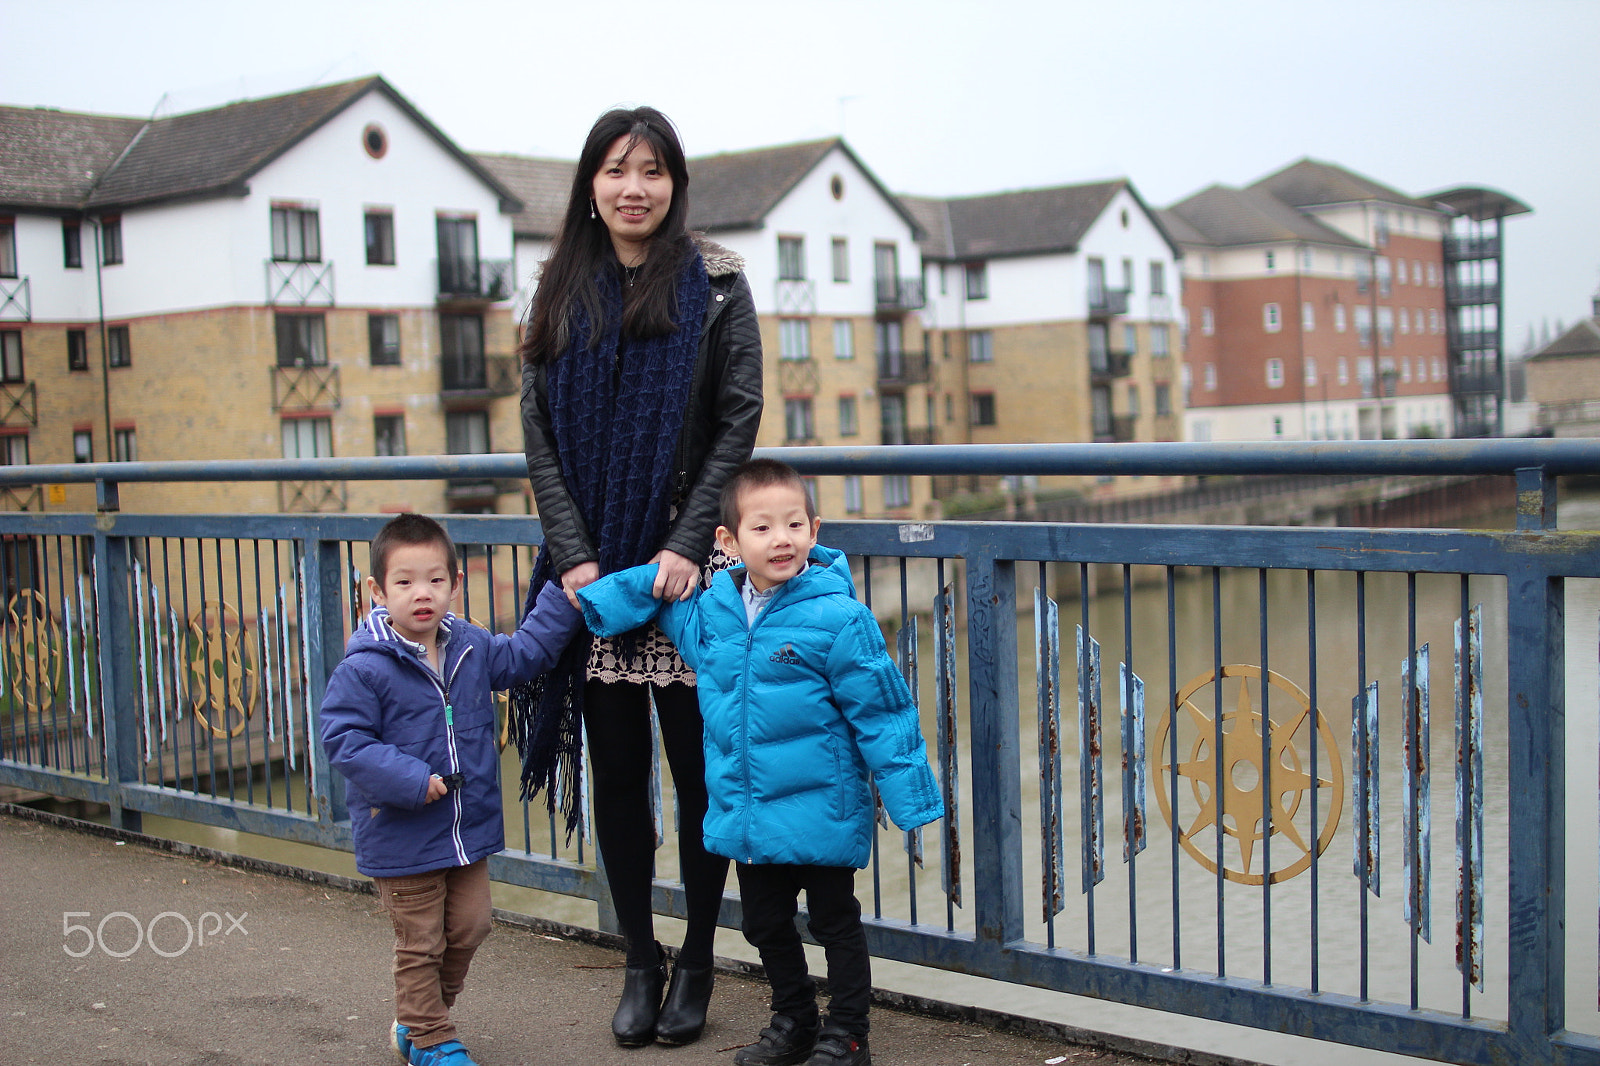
<point x="440" y="917"/>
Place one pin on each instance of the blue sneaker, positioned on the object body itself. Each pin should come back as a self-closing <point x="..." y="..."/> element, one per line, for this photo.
<point x="449" y="1053"/>
<point x="400" y="1036"/>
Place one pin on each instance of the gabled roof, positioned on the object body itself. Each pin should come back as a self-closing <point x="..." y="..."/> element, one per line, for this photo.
<point x="52" y="159"/>
<point x="541" y="185"/>
<point x="1224" y="216"/>
<point x="1022" y="222"/>
<point x="199" y="154"/>
<point x="1312" y="183"/>
<point x="1582" y="339"/>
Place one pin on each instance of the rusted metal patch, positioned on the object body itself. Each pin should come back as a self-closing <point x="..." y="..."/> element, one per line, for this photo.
<point x="1091" y="781"/>
<point x="1364" y="784"/>
<point x="1047" y="675"/>
<point x="1133" y="763"/>
<point x="944" y="690"/>
<point x="1469" y="796"/>
<point x="1417" y="778"/>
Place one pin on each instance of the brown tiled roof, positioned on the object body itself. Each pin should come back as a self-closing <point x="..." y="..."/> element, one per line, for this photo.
<point x="1179" y="229"/>
<point x="933" y="215"/>
<point x="1311" y="183"/>
<point x="1582" y="339"/>
<point x="201" y="153"/>
<point x="541" y="185"/>
<point x="1225" y="216"/>
<point x="50" y="160"/>
<point x="1025" y="222"/>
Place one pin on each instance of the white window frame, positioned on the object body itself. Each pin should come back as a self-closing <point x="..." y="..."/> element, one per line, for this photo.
<point x="844" y="338"/>
<point x="794" y="339"/>
<point x="1274" y="369"/>
<point x="1271" y="317"/>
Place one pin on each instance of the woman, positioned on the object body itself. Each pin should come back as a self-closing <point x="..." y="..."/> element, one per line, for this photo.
<point x="641" y="392"/>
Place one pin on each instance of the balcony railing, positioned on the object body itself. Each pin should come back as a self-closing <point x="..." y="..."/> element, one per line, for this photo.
<point x="1465" y="293"/>
<point x="474" y="280"/>
<point x="1477" y="380"/>
<point x="1117" y="429"/>
<point x="1459" y="249"/>
<point x="300" y="388"/>
<point x="1109" y="364"/>
<point x="294" y="284"/>
<point x="896" y="370"/>
<point x="476" y="375"/>
<point x="19" y="403"/>
<point x="16" y="300"/>
<point x="1468" y="340"/>
<point x="1177" y="668"/>
<point x="1103" y="303"/>
<point x="899" y="294"/>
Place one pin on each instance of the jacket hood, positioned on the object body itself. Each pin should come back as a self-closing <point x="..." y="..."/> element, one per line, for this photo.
<point x="720" y="260"/>
<point x="828" y="575"/>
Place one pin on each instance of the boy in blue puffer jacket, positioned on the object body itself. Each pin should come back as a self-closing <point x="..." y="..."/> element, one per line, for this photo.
<point x="801" y="703"/>
<point x="408" y="719"/>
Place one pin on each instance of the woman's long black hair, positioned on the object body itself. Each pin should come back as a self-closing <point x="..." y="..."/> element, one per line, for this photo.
<point x="583" y="247"/>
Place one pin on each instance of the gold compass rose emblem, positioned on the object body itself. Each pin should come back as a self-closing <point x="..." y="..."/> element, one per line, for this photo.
<point x="1229" y="784"/>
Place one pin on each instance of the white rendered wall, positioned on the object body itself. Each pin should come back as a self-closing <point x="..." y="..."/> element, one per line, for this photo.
<point x="55" y="292"/>
<point x="1311" y="420"/>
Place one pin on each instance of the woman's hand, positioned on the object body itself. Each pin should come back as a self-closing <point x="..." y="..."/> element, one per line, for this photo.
<point x="579" y="576"/>
<point x="676" y="576"/>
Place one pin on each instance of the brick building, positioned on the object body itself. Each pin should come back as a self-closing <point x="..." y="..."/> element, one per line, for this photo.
<point x="1564" y="379"/>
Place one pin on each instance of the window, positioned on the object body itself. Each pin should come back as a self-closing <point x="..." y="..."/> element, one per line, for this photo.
<point x="83" y="446"/>
<point x="844" y="339"/>
<point x="888" y="335"/>
<point x="1338" y="318"/>
<point x="71" y="244"/>
<point x="896" y="490"/>
<point x="1433" y="274"/>
<point x="1274" y="373"/>
<point x="1210" y="377"/>
<point x="892" y="419"/>
<point x="457" y="239"/>
<point x="461" y="362"/>
<point x="1405" y="371"/>
<point x="1133" y="400"/>
<point x="794" y="338"/>
<point x="1386" y="326"/>
<point x="1405" y="321"/>
<point x="77" y="349"/>
<point x="1399" y="271"/>
<point x="14" y="449"/>
<point x="1272" y="260"/>
<point x="849" y="424"/>
<point x="980" y="346"/>
<point x="307" y="438"/>
<point x="841" y="259"/>
<point x="8" y="248"/>
<point x="977" y="281"/>
<point x="111" y="240"/>
<point x="797" y="421"/>
<point x="1277" y="426"/>
<point x="1163" y="400"/>
<point x="466" y="432"/>
<point x="295" y="235"/>
<point x="1438" y="369"/>
<point x="11" y="355"/>
<point x="982" y="409"/>
<point x="1305" y="260"/>
<point x="383" y="341"/>
<point x="1385" y="279"/>
<point x="302" y="340"/>
<point x="119" y="348"/>
<point x="1158" y="278"/>
<point x="125" y="445"/>
<point x="1416" y="321"/>
<point x="380" y="238"/>
<point x="1208" y="321"/>
<point x="1308" y="316"/>
<point x="852" y="494"/>
<point x="1271" y="318"/>
<point x="1433" y="320"/>
<point x="1310" y="377"/>
<point x="388" y="434"/>
<point x="1130" y="338"/>
<point x="1160" y="340"/>
<point x="791" y="258"/>
<point x="1127" y="276"/>
<point x="1344" y="371"/>
<point x="1364" y="326"/>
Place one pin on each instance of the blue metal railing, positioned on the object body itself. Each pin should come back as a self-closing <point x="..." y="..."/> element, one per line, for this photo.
<point x="172" y="664"/>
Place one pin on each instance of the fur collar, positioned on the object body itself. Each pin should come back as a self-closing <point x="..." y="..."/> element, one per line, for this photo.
<point x="720" y="260"/>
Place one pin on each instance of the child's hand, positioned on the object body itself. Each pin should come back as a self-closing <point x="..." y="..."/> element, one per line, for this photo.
<point x="436" y="789"/>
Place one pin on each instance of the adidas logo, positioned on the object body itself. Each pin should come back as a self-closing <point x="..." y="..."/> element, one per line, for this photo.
<point x="785" y="654"/>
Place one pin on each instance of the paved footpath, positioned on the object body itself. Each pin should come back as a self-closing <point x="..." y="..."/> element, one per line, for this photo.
<point x="295" y="971"/>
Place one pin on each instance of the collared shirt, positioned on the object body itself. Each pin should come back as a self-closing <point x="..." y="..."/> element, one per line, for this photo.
<point x="755" y="599"/>
<point x="441" y="639"/>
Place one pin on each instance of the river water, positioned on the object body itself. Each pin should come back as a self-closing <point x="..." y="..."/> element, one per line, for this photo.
<point x="1133" y="906"/>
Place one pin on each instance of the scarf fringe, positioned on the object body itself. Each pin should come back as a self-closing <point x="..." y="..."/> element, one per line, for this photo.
<point x="548" y="717"/>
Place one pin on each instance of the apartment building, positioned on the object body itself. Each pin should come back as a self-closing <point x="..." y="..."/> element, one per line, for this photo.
<point x="320" y="273"/>
<point x="1052" y="316"/>
<point x="1315" y="305"/>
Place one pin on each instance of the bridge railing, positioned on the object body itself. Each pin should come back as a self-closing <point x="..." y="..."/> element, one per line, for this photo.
<point x="1309" y="780"/>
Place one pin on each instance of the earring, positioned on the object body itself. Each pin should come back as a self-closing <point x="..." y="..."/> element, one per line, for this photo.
<point x="592" y="212"/>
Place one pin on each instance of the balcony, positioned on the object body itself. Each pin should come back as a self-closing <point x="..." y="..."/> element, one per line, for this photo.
<point x="300" y="388"/>
<point x="1477" y="379"/>
<point x="1459" y="293"/>
<point x="908" y="435"/>
<point x="1475" y="340"/>
<point x="474" y="280"/>
<point x="896" y="370"/>
<point x="476" y="376"/>
<point x="1117" y="429"/>
<point x="1106" y="364"/>
<point x="1103" y="303"/>
<point x="16" y="300"/>
<point x="1475" y="427"/>
<point x="1459" y="249"/>
<point x="461" y="489"/>
<point x="299" y="284"/>
<point x="900" y="294"/>
<point x="19" y="403"/>
<point x="313" y="495"/>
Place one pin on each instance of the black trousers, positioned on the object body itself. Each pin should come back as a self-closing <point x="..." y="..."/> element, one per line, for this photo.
<point x="769" y="894"/>
<point x="617" y="719"/>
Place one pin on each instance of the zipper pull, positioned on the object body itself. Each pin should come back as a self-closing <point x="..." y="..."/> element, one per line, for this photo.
<point x="449" y="715"/>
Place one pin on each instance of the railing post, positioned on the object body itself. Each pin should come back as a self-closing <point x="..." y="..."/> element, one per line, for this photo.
<point x="996" y="767"/>
<point x="324" y="623"/>
<point x="1536" y="779"/>
<point x="123" y="760"/>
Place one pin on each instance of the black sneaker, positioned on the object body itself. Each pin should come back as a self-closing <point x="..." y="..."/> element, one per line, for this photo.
<point x="784" y="1042"/>
<point x="835" y="1047"/>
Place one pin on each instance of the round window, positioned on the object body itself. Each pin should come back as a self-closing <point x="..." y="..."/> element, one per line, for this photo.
<point x="836" y="186"/>
<point x="375" y="141"/>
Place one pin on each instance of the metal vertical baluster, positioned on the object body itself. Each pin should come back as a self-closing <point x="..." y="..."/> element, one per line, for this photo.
<point x="1469" y="797"/>
<point x="877" y="859"/>
<point x="1172" y="771"/>
<point x="1264" y="627"/>
<point x="246" y="707"/>
<point x="1091" y="781"/>
<point x="263" y="670"/>
<point x="1047" y="681"/>
<point x="1130" y="689"/>
<point x="1217" y="793"/>
<point x="1316" y="736"/>
<point x="944" y="652"/>
<point x="907" y="641"/>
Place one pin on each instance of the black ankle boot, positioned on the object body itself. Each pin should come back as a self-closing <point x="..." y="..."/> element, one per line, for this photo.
<point x="683" y="1015"/>
<point x="634" y="1024"/>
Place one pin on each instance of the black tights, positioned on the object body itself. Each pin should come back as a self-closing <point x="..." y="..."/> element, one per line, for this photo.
<point x="617" y="720"/>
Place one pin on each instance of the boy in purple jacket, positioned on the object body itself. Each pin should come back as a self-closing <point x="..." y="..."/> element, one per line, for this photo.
<point x="408" y="719"/>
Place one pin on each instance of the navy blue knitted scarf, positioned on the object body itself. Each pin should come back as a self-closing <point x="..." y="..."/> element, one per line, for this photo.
<point x="616" y="410"/>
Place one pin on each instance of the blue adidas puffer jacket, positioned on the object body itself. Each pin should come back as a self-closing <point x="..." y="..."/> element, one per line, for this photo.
<point x="384" y="727"/>
<point x="800" y="708"/>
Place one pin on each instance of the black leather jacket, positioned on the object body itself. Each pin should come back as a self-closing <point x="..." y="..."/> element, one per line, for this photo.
<point x="719" y="429"/>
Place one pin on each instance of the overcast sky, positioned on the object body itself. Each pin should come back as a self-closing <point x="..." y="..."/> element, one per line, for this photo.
<point x="941" y="97"/>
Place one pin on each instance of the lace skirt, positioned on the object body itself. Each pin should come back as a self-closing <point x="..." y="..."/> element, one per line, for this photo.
<point x="655" y="661"/>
